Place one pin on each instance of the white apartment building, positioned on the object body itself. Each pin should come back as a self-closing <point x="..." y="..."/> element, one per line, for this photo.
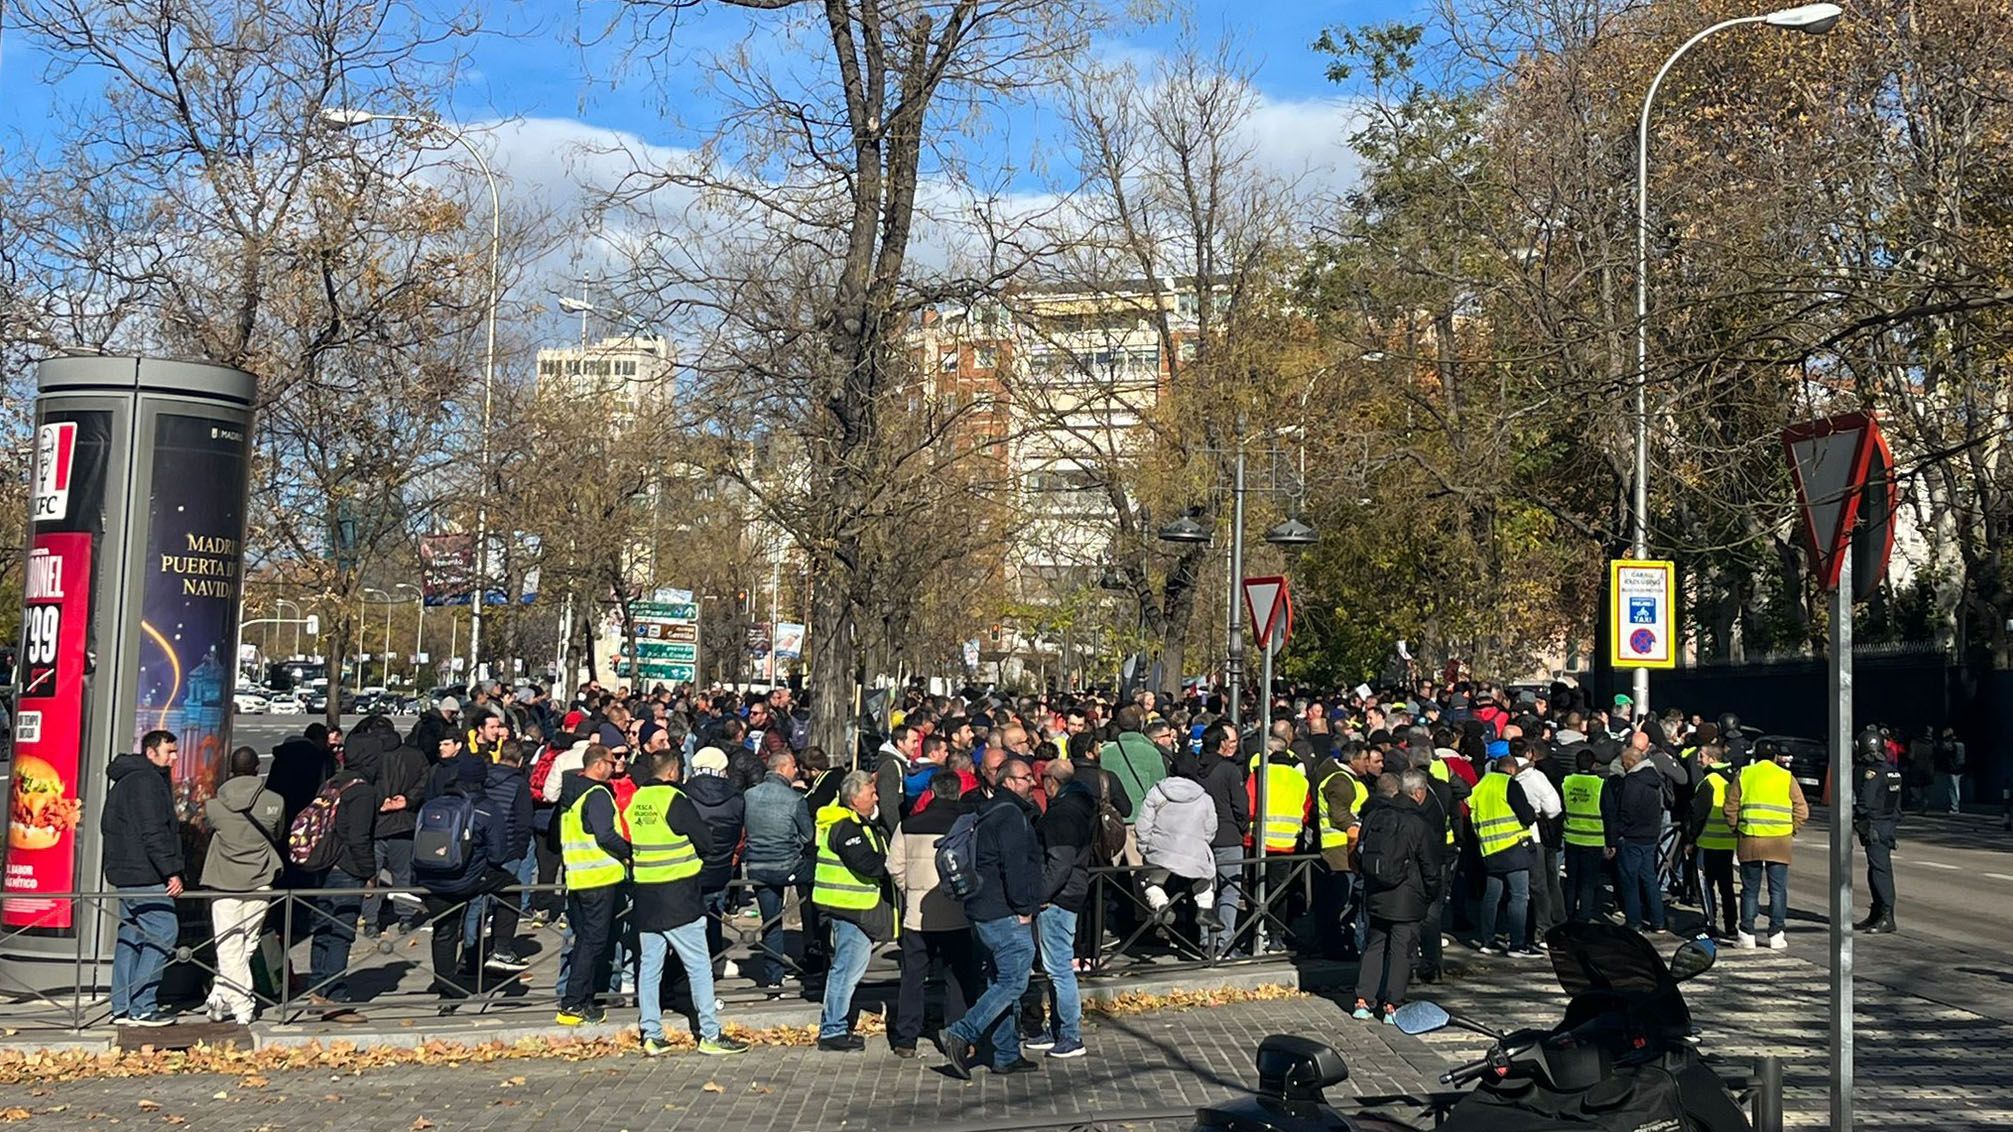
<point x="625" y="375"/>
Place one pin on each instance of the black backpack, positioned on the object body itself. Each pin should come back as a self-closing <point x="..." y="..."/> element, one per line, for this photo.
<point x="1381" y="862"/>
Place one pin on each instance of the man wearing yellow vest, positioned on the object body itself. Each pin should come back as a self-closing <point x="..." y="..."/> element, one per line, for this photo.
<point x="1586" y="838"/>
<point x="1341" y="787"/>
<point x="1502" y="820"/>
<point x="851" y="890"/>
<point x="596" y="856"/>
<point x="1764" y="808"/>
<point x="1709" y="833"/>
<point x="1289" y="801"/>
<point x="668" y="839"/>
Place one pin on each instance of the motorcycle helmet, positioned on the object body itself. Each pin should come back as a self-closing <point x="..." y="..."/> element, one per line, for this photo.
<point x="1729" y="725"/>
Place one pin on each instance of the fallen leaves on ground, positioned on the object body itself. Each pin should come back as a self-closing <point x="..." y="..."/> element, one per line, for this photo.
<point x="11" y="1115"/>
<point x="420" y="1124"/>
<point x="251" y="1066"/>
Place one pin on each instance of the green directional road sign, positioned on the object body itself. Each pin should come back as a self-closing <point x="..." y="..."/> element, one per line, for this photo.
<point x="662" y="650"/>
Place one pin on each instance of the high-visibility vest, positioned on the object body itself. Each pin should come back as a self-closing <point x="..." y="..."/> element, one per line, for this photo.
<point x="1584" y="825"/>
<point x="1333" y="835"/>
<point x="1717" y="834"/>
<point x="834" y="885"/>
<point x="1438" y="769"/>
<point x="1765" y="802"/>
<point x="1496" y="824"/>
<point x="1285" y="805"/>
<point x="660" y="853"/>
<point x="588" y="865"/>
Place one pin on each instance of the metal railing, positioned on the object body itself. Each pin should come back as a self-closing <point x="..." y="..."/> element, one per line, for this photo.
<point x="63" y="982"/>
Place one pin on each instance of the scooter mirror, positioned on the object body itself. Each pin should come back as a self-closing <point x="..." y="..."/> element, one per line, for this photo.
<point x="1694" y="957"/>
<point x="1421" y="1017"/>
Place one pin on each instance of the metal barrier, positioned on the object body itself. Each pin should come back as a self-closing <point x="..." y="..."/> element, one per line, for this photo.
<point x="1120" y="935"/>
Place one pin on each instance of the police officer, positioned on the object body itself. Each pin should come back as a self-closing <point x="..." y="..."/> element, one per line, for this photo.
<point x="1877" y="810"/>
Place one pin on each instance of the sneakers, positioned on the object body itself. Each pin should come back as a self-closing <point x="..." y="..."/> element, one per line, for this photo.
<point x="1017" y="1065"/>
<point x="722" y="1046"/>
<point x="1205" y="898"/>
<point x="730" y="970"/>
<point x="149" y="1021"/>
<point x="1067" y="1048"/>
<point x="1778" y="942"/>
<point x="1390" y="1015"/>
<point x="1744" y="940"/>
<point x="504" y="961"/>
<point x="655" y="1047"/>
<point x="1363" y="1013"/>
<point x="1039" y="1041"/>
<point x="1488" y="949"/>
<point x="959" y="1053"/>
<point x="410" y="899"/>
<point x="844" y="1043"/>
<point x="1525" y="953"/>
<point x="581" y="1016"/>
<point x="1156" y="898"/>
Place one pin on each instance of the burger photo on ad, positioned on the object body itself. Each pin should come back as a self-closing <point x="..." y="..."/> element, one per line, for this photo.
<point x="41" y="811"/>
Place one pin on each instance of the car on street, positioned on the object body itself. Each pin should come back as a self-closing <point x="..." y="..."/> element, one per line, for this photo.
<point x="1809" y="759"/>
<point x="287" y="703"/>
<point x="250" y="701"/>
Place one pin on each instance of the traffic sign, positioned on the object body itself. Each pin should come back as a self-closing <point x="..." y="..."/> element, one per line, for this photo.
<point x="666" y="650"/>
<point x="1268" y="609"/>
<point x="1846" y="489"/>
<point x="1640" y="614"/>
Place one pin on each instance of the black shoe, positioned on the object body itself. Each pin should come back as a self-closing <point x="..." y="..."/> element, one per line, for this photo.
<point x="848" y="1043"/>
<point x="959" y="1053"/>
<point x="904" y="1052"/>
<point x="1883" y="926"/>
<point x="1428" y="975"/>
<point x="1017" y="1065"/>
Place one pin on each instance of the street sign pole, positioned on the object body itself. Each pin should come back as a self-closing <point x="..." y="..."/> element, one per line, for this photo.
<point x="1264" y="757"/>
<point x="1841" y="847"/>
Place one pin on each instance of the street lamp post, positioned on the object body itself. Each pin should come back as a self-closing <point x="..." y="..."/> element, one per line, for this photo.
<point x="386" y="602"/>
<point x="347" y="118"/>
<point x="419" y="631"/>
<point x="1811" y="19"/>
<point x="297" y="621"/>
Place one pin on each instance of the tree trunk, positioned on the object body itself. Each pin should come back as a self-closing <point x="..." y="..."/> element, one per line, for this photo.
<point x="834" y="667"/>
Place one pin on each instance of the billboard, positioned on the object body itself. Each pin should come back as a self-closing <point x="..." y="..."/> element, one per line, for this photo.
<point x="446" y="568"/>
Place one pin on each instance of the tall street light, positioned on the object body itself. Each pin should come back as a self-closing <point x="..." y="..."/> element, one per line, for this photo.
<point x="419" y="632"/>
<point x="1811" y="19"/>
<point x="344" y="118"/>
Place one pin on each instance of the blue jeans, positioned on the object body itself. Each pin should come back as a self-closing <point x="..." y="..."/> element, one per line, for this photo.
<point x="1229" y="893"/>
<point x="334" y="931"/>
<point x="850" y="951"/>
<point x="1951" y="787"/>
<point x="1057" y="929"/>
<point x="770" y="885"/>
<point x="1642" y="891"/>
<point x="1751" y="873"/>
<point x="146" y="939"/>
<point x="1010" y="943"/>
<point x="689" y="941"/>
<point x="1519" y="886"/>
<point x="524" y="871"/>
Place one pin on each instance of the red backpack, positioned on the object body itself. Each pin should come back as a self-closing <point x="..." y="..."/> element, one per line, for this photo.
<point x="542" y="769"/>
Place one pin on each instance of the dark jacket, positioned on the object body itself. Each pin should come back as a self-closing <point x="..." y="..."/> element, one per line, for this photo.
<point x="745" y="768"/>
<point x="1009" y="861"/>
<point x="721" y="806"/>
<point x="662" y="907"/>
<point x="1223" y="781"/>
<point x="1067" y="833"/>
<point x="1103" y="786"/>
<point x="888" y="776"/>
<point x="298" y="770"/>
<point x="356" y="817"/>
<point x="509" y="794"/>
<point x="823" y="792"/>
<point x="487" y="843"/>
<point x="779" y="827"/>
<point x="143" y="841"/>
<point x="1397" y="829"/>
<point x="1632" y="805"/>
<point x="599" y="816"/>
<point x="403" y="771"/>
<point x="426" y="735"/>
<point x="441" y="776"/>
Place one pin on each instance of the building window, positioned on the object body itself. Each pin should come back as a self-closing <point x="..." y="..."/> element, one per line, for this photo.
<point x="988" y="357"/>
<point x="949" y="362"/>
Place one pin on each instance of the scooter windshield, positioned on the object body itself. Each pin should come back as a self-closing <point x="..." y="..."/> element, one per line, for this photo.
<point x="1601" y="956"/>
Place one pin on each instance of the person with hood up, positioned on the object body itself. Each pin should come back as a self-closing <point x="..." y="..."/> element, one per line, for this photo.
<point x="450" y="893"/>
<point x="1177" y="826"/>
<point x="721" y="805"/>
<point x="1400" y="856"/>
<point x="334" y="922"/>
<point x="244" y="857"/>
<point x="143" y="861"/>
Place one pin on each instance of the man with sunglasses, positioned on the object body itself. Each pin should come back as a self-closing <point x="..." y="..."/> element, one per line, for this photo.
<point x="1002" y="911"/>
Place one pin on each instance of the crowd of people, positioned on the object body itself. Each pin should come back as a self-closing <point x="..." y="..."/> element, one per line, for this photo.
<point x="998" y="845"/>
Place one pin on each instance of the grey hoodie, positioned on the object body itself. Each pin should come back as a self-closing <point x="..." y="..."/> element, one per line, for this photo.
<point x="244" y="852"/>
<point x="1177" y="822"/>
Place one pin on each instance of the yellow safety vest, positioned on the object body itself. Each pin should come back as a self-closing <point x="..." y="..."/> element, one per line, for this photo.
<point x="1332" y="835"/>
<point x="1584" y="826"/>
<point x="1438" y="769"/>
<point x="588" y="865"/>
<point x="1285" y="802"/>
<point x="1765" y="804"/>
<point x="1717" y="834"/>
<point x="661" y="854"/>
<point x="1496" y="824"/>
<point x="834" y="885"/>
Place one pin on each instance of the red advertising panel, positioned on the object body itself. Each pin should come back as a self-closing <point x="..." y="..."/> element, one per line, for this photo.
<point x="43" y="807"/>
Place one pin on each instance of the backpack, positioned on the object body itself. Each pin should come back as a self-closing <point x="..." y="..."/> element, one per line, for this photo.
<point x="311" y="841"/>
<point x="1380" y="867"/>
<point x="958" y="858"/>
<point x="542" y="769"/>
<point x="440" y="843"/>
<point x="1107" y="837"/>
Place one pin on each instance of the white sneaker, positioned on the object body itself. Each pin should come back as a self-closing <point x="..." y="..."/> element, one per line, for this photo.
<point x="1744" y="941"/>
<point x="1156" y="897"/>
<point x="1778" y="942"/>
<point x="1205" y="899"/>
<point x="730" y="970"/>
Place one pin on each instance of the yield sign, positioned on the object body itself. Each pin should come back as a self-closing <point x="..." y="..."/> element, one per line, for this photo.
<point x="1267" y="609"/>
<point x="1841" y="467"/>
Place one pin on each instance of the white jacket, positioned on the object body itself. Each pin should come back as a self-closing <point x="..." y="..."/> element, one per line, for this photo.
<point x="1541" y="794"/>
<point x="1175" y="825"/>
<point x="571" y="759"/>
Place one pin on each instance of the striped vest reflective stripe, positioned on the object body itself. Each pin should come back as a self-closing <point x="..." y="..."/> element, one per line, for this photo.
<point x="1765" y="803"/>
<point x="1332" y="835"/>
<point x="1496" y="824"/>
<point x="1285" y="802"/>
<point x="587" y="864"/>
<point x="660" y="853"/>
<point x="1584" y="826"/>
<point x="834" y="885"/>
<point x="1717" y="834"/>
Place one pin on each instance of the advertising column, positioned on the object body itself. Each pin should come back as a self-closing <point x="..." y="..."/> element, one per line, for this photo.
<point x="130" y="613"/>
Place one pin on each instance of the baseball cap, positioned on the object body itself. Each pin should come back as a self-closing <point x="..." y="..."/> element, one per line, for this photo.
<point x="711" y="759"/>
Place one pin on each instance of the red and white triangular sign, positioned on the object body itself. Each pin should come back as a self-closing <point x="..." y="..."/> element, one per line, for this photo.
<point x="1828" y="461"/>
<point x="1265" y="607"/>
